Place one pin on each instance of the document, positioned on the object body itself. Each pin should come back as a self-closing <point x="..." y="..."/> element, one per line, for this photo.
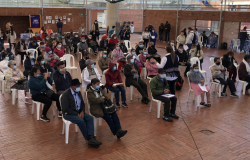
<point x="168" y="95"/>
<point x="118" y="84"/>
<point x="203" y="88"/>
<point x="185" y="47"/>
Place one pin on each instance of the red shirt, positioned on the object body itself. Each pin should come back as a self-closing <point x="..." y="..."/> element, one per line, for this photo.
<point x="113" y="41"/>
<point x="36" y="38"/>
<point x="60" y="53"/>
<point x="85" y="36"/>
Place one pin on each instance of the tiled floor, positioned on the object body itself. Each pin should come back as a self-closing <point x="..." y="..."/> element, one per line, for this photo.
<point x="148" y="138"/>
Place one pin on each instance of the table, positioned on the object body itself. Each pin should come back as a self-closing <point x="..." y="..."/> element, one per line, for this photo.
<point x="213" y="42"/>
<point x="246" y="46"/>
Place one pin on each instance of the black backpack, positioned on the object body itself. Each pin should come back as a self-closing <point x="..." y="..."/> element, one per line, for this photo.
<point x="194" y="39"/>
<point x="179" y="83"/>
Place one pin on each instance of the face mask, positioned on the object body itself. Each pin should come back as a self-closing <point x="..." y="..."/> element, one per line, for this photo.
<point x="145" y="53"/>
<point x="133" y="53"/>
<point x="76" y="35"/>
<point x="172" y="43"/>
<point x="104" y="56"/>
<point x="93" y="66"/>
<point x="114" y="68"/>
<point x="151" y="62"/>
<point x="153" y="31"/>
<point x="7" y="58"/>
<point x="93" y="33"/>
<point x="132" y="61"/>
<point x="59" y="46"/>
<point x="97" y="87"/>
<point x="117" y="47"/>
<point x="52" y="37"/>
<point x="78" y="89"/>
<point x="229" y="56"/>
<point x="181" y="50"/>
<point x="163" y="76"/>
<point x="83" y="34"/>
<point x="43" y="62"/>
<point x="49" y="52"/>
<point x="37" y="34"/>
<point x="141" y="46"/>
<point x="60" y="70"/>
<point x="62" y="36"/>
<point x="83" y="41"/>
<point x="218" y="63"/>
<point x="90" y="37"/>
<point x="42" y="46"/>
<point x="31" y="57"/>
<point x="47" y="38"/>
<point x="14" y="67"/>
<point x="196" y="70"/>
<point x="114" y="37"/>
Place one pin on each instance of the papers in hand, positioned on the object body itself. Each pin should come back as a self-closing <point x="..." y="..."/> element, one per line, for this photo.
<point x="185" y="47"/>
<point x="118" y="84"/>
<point x="153" y="37"/>
<point x="203" y="88"/>
<point x="168" y="95"/>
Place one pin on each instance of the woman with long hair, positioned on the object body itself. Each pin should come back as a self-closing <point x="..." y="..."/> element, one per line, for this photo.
<point x="197" y="52"/>
<point x="145" y="36"/>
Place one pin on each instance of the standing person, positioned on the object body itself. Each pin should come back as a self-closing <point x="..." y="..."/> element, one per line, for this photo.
<point x="95" y="27"/>
<point x="150" y="27"/>
<point x="8" y="27"/>
<point x="112" y="31"/>
<point x="151" y="49"/>
<point x="21" y="49"/>
<point x="145" y="37"/>
<point x="153" y="36"/>
<point x="81" y="29"/>
<point x="170" y="63"/>
<point x="49" y="31"/>
<point x="244" y="72"/>
<point x="123" y="28"/>
<point x="59" y="26"/>
<point x="118" y="57"/>
<point x="205" y="39"/>
<point x="167" y="31"/>
<point x="243" y="38"/>
<point x="181" y="39"/>
<point x="183" y="58"/>
<point x="161" y="30"/>
<point x="75" y="41"/>
<point x="228" y="62"/>
<point x="126" y="33"/>
<point x="12" y="37"/>
<point x="185" y="32"/>
<point x="189" y="39"/>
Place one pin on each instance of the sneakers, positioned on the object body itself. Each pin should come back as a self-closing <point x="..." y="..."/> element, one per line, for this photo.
<point x="118" y="105"/>
<point x="120" y="133"/>
<point x="164" y="41"/>
<point x="45" y="119"/>
<point x="234" y="95"/>
<point x="173" y="115"/>
<point x="222" y="95"/>
<point x="93" y="142"/>
<point x="166" y="118"/>
<point x="144" y="100"/>
<point x="60" y="115"/>
<point x="124" y="104"/>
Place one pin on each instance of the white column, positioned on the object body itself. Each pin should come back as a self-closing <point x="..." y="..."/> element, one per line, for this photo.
<point x="112" y="14"/>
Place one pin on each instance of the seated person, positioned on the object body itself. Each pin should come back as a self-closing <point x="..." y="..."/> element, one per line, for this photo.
<point x="46" y="39"/>
<point x="158" y="87"/>
<point x="62" y="78"/>
<point x="89" y="73"/>
<point x="43" y="36"/>
<point x="75" y="41"/>
<point x="68" y="42"/>
<point x="151" y="49"/>
<point x="136" y="59"/>
<point x="21" y="49"/>
<point x="132" y="74"/>
<point x="92" y="44"/>
<point x="33" y="44"/>
<point x="28" y="63"/>
<point x="38" y="87"/>
<point x="113" y="41"/>
<point x="52" y="38"/>
<point x="83" y="46"/>
<point x="173" y="45"/>
<point x="41" y="48"/>
<point x="82" y="62"/>
<point x="118" y="57"/>
<point x="49" y="56"/>
<point x="183" y="58"/>
<point x="113" y="76"/>
<point x="197" y="52"/>
<point x="96" y="97"/>
<point x="44" y="67"/>
<point x="196" y="78"/>
<point x="104" y="61"/>
<point x="143" y="56"/>
<point x="59" y="50"/>
<point x="139" y="49"/>
<point x="10" y="54"/>
<point x="84" y="35"/>
<point x="48" y="30"/>
<point x="244" y="71"/>
<point x="37" y="37"/>
<point x="4" y="62"/>
<point x="104" y="44"/>
<point x="123" y="47"/>
<point x="228" y="62"/>
<point x="218" y="74"/>
<point x="94" y="35"/>
<point x="151" y="67"/>
<point x="73" y="109"/>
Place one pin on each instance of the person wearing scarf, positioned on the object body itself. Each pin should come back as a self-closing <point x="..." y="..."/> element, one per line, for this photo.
<point x="244" y="70"/>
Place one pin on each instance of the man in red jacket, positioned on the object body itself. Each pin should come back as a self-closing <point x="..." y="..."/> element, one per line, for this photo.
<point x="244" y="71"/>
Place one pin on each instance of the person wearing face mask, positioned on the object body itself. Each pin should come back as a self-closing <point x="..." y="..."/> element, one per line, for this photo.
<point x="20" y="49"/>
<point x="244" y="72"/>
<point x="167" y="31"/>
<point x="112" y="42"/>
<point x="46" y="39"/>
<point x="81" y="29"/>
<point x="4" y="62"/>
<point x="132" y="74"/>
<point x="59" y="26"/>
<point x="92" y="44"/>
<point x="151" y="67"/>
<point x="10" y="54"/>
<point x="82" y="62"/>
<point x="228" y="62"/>
<point x="145" y="37"/>
<point x="28" y="63"/>
<point x="83" y="34"/>
<point x="143" y="56"/>
<point x="151" y="49"/>
<point x="136" y="59"/>
<point x="218" y="74"/>
<point x="50" y="41"/>
<point x="183" y="58"/>
<point x="96" y="97"/>
<point x="173" y="45"/>
<point x="41" y="48"/>
<point x="123" y="28"/>
<point x="161" y="30"/>
<point x="95" y="27"/>
<point x="94" y="35"/>
<point x="73" y="109"/>
<point x="196" y="78"/>
<point x="104" y="44"/>
<point x="104" y="61"/>
<point x="33" y="44"/>
<point x="160" y="86"/>
<point x="62" y="78"/>
<point x="150" y="27"/>
<point x="89" y="73"/>
<point x="37" y="37"/>
<point x="123" y="47"/>
<point x="113" y="77"/>
<point x="38" y="87"/>
<point x="118" y="57"/>
<point x="75" y="40"/>
<point x="83" y="46"/>
<point x="44" y="67"/>
<point x="181" y="39"/>
<point x="140" y="48"/>
<point x="112" y="31"/>
<point x="59" y="50"/>
<point x="153" y="36"/>
<point x="49" y="55"/>
<point x="126" y="33"/>
<point x="197" y="52"/>
<point x="43" y="37"/>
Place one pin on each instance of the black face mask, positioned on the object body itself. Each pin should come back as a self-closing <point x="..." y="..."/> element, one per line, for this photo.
<point x="87" y="58"/>
<point x="218" y="63"/>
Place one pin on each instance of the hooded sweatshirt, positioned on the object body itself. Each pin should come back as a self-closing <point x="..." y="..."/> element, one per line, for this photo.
<point x="112" y="76"/>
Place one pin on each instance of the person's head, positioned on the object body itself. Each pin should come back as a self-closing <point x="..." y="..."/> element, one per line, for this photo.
<point x="204" y="32"/>
<point x="133" y="51"/>
<point x="40" y="60"/>
<point x="151" y="59"/>
<point x="117" y="47"/>
<point x="166" y="21"/>
<point x="22" y="41"/>
<point x="212" y="33"/>
<point x="5" y="57"/>
<point x="35" y="71"/>
<point x="83" y="39"/>
<point x="195" y="29"/>
<point x="105" y="37"/>
<point x="230" y="54"/>
<point x="145" y="52"/>
<point x="140" y="44"/>
<point x="83" y="33"/>
<point x="96" y="22"/>
<point x="31" y="40"/>
<point x="76" y="34"/>
<point x="198" y="47"/>
<point x="60" y="66"/>
<point x="112" y="67"/>
<point x="48" y="27"/>
<point x="7" y="50"/>
<point x="85" y="55"/>
<point x="146" y="28"/>
<point x="180" y="48"/>
<point x="48" y="50"/>
<point x="113" y="27"/>
<point x="182" y="33"/>
<point x="90" y="36"/>
<point x="58" y="44"/>
<point x="95" y="83"/>
<point x="52" y="36"/>
<point x="161" y="73"/>
<point x="130" y="59"/>
<point x="245" y="27"/>
<point x="36" y="33"/>
<point x="122" y="42"/>
<point x="172" y="42"/>
<point x="195" y="68"/>
<point x="162" y="24"/>
<point x="90" y="64"/>
<point x="30" y="55"/>
<point x="104" y="54"/>
<point x="114" y="36"/>
<point x="247" y="58"/>
<point x="217" y="60"/>
<point x="59" y="20"/>
<point x="151" y="44"/>
<point x="12" y="64"/>
<point x="190" y="29"/>
<point x="75" y="85"/>
<point x="153" y="30"/>
<point x="42" y="44"/>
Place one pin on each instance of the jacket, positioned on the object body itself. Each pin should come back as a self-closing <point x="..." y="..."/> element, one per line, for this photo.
<point x="9" y="78"/>
<point x="128" y="74"/>
<point x="4" y="65"/>
<point x="85" y="77"/>
<point x="36" y="38"/>
<point x="216" y="72"/>
<point x="138" y="50"/>
<point x="110" y="32"/>
<point x="180" y="40"/>
<point x="112" y="76"/>
<point x="27" y="66"/>
<point x="161" y="29"/>
<point x="46" y="67"/>
<point x="193" y="51"/>
<point x="93" y="27"/>
<point x="83" y="46"/>
<point x="195" y="77"/>
<point x="112" y="43"/>
<point x="182" y="56"/>
<point x="18" y="47"/>
<point x="243" y="71"/>
<point x="37" y="85"/>
<point x="59" y="53"/>
<point x="123" y="48"/>
<point x="117" y="54"/>
<point x="95" y="103"/>
<point x="82" y="64"/>
<point x="243" y="34"/>
<point x="126" y="34"/>
<point x="75" y="40"/>
<point x="228" y="62"/>
<point x="168" y="26"/>
<point x="68" y="103"/>
<point x="59" y="24"/>
<point x="190" y="37"/>
<point x="145" y="35"/>
<point x="62" y="83"/>
<point x="102" y="47"/>
<point x="156" y="86"/>
<point x="104" y="63"/>
<point x="152" y="68"/>
<point x="143" y="58"/>
<point x="155" y="36"/>
<point x="152" y="50"/>
<point x="31" y="46"/>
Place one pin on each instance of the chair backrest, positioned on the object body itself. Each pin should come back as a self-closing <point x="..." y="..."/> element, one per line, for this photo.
<point x="68" y="60"/>
<point x="38" y="43"/>
<point x="237" y="77"/>
<point x="235" y="42"/>
<point x="127" y="44"/>
<point x="212" y="61"/>
<point x="194" y="60"/>
<point x="188" y="79"/>
<point x="34" y="51"/>
<point x="104" y="75"/>
<point x="211" y="76"/>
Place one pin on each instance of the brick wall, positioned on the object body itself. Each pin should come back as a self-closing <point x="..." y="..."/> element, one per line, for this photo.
<point x="230" y="31"/>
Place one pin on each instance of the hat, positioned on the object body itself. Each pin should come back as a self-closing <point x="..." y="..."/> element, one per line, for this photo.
<point x="75" y="82"/>
<point x="129" y="56"/>
<point x="47" y="49"/>
<point x="89" y="62"/>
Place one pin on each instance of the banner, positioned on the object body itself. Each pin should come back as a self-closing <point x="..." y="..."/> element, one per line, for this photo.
<point x="35" y="21"/>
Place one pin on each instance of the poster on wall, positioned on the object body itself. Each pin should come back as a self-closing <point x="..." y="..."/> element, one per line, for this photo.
<point x="71" y="19"/>
<point x="50" y="17"/>
<point x="64" y="22"/>
<point x="56" y="21"/>
<point x="56" y="17"/>
<point x="53" y="21"/>
<point x="68" y="19"/>
<point x="60" y="17"/>
<point x="45" y="21"/>
<point x="64" y="17"/>
<point x="49" y="21"/>
<point x="35" y="21"/>
<point x="47" y="17"/>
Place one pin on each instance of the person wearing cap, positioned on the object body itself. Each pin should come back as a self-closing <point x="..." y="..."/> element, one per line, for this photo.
<point x="59" y="50"/>
<point x="90" y="72"/>
<point x="73" y="109"/>
<point x="21" y="49"/>
<point x="118" y="57"/>
<point x="139" y="49"/>
<point x="104" y="44"/>
<point x="62" y="78"/>
<point x="132" y="74"/>
<point x="189" y="39"/>
<point x="158" y="87"/>
<point x="104" y="61"/>
<point x="33" y="44"/>
<point x="96" y="97"/>
<point x="83" y="46"/>
<point x="82" y="62"/>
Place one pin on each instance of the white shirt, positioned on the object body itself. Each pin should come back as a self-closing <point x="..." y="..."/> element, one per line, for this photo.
<point x="4" y="65"/>
<point x="85" y="77"/>
<point x="190" y="37"/>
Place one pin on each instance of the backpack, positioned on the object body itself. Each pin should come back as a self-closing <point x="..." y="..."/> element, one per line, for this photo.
<point x="194" y="39"/>
<point x="179" y="83"/>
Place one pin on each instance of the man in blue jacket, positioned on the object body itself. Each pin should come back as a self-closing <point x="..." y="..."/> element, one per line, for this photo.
<point x="59" y="25"/>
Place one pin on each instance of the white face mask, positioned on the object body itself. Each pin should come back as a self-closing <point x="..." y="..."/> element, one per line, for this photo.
<point x="76" y="35"/>
<point x="59" y="46"/>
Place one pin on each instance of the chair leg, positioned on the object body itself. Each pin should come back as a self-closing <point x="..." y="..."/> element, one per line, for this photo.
<point x="53" y="109"/>
<point x="67" y="133"/>
<point x="198" y="100"/>
<point x="131" y="92"/>
<point x="205" y="78"/>
<point x="112" y="97"/>
<point x="37" y="110"/>
<point x="95" y="125"/>
<point x="219" y="90"/>
<point x="76" y="127"/>
<point x="158" y="109"/>
<point x="151" y="103"/>
<point x="13" y="96"/>
<point x="32" y="111"/>
<point x="188" y="95"/>
<point x="244" y="88"/>
<point x="63" y="128"/>
<point x="100" y="121"/>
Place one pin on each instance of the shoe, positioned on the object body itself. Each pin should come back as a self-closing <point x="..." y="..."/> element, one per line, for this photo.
<point x="28" y="96"/>
<point x="143" y="100"/>
<point x="124" y="104"/>
<point x="45" y="119"/>
<point x="148" y="100"/>
<point x="234" y="95"/>
<point x="222" y="95"/>
<point x="166" y="118"/>
<point x="120" y="133"/>
<point x="164" y="41"/>
<point x="93" y="142"/>
<point x="60" y="115"/>
<point x="118" y="105"/>
<point x="173" y="115"/>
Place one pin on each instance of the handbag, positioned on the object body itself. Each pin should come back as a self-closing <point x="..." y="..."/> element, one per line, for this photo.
<point x="122" y="60"/>
<point x="48" y="92"/>
<point x="21" y="81"/>
<point x="108" y="107"/>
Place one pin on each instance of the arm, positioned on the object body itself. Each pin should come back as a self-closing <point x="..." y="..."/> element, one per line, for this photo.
<point x="97" y="74"/>
<point x="46" y="57"/>
<point x="9" y="76"/>
<point x="192" y="78"/>
<point x="127" y="71"/>
<point x="163" y="62"/>
<point x="37" y="85"/>
<point x="65" y="102"/>
<point x="93" y="99"/>
<point x="153" y="84"/>
<point x="86" y="76"/>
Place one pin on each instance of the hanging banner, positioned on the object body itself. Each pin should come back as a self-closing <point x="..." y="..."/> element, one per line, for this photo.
<point x="35" y="21"/>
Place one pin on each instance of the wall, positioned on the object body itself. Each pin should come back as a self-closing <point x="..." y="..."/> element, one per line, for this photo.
<point x="184" y="23"/>
<point x="132" y="15"/>
<point x="229" y="28"/>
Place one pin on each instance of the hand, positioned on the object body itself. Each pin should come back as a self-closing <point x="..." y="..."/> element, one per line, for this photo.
<point x="202" y="82"/>
<point x="63" y="71"/>
<point x="166" y="91"/>
<point x="45" y="75"/>
<point x="113" y="85"/>
<point x="103" y="97"/>
<point x="81" y="115"/>
<point x="21" y="77"/>
<point x="84" y="50"/>
<point x="154" y="61"/>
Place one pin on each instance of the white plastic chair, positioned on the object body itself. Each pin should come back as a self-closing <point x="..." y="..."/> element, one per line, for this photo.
<point x="14" y="95"/>
<point x="236" y="45"/>
<point x="66" y="126"/>
<point x="38" y="43"/>
<point x="158" y="104"/>
<point x="144" y="72"/>
<point x="212" y="61"/>
<point x="198" y="97"/>
<point x="38" y="109"/>
<point x="128" y="44"/>
<point x="214" y="83"/>
<point x="2" y="86"/>
<point x="244" y="83"/>
<point x="68" y="63"/>
<point x="34" y="51"/>
<point x="194" y="60"/>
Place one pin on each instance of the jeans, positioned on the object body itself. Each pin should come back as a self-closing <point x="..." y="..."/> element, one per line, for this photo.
<point x="145" y="43"/>
<point x="141" y="86"/>
<point x="167" y="35"/>
<point x="47" y="101"/>
<point x="171" y="85"/>
<point x="113" y="122"/>
<point x="188" y="67"/>
<point x="116" y="90"/>
<point x="189" y="47"/>
<point x="75" y="48"/>
<point x="227" y="82"/>
<point x="167" y="104"/>
<point x="86" y="124"/>
<point x="160" y="36"/>
<point x="242" y="43"/>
